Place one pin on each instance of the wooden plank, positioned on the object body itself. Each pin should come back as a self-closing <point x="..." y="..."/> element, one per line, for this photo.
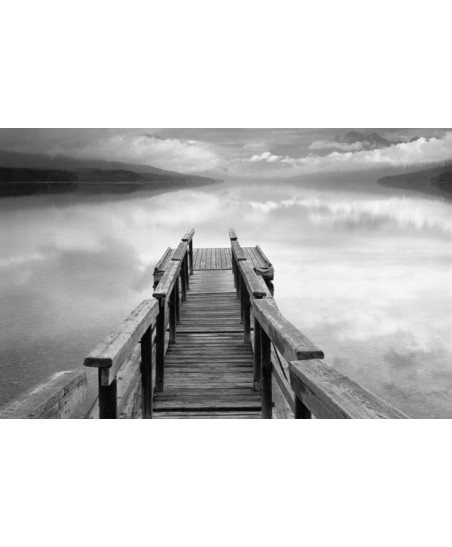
<point x="179" y="253"/>
<point x="188" y="236"/>
<point x="232" y="234"/>
<point x="329" y="394"/>
<point x="57" y="397"/>
<point x="237" y="251"/>
<point x="117" y="347"/>
<point x="255" y="285"/>
<point x="292" y="344"/>
<point x="162" y="262"/>
<point x="168" y="280"/>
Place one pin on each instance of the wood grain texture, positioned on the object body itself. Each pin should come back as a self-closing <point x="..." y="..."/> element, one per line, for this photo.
<point x="209" y="370"/>
<point x="189" y="235"/>
<point x="168" y="280"/>
<point x="118" y="346"/>
<point x="292" y="344"/>
<point x="232" y="234"/>
<point x="179" y="253"/>
<point x="329" y="394"/>
<point x="57" y="397"/>
<point x="255" y="285"/>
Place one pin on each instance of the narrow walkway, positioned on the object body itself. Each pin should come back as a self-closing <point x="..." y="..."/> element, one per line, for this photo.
<point x="209" y="370"/>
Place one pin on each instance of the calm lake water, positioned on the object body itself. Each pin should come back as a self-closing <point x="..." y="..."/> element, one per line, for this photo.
<point x="365" y="272"/>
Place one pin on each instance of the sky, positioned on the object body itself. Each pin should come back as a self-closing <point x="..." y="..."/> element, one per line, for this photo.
<point x="264" y="153"/>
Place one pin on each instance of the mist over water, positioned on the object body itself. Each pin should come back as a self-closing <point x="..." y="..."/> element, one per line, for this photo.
<point x="364" y="272"/>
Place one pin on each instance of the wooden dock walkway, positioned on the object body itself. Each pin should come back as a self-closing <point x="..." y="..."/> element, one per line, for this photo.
<point x="211" y="343"/>
<point x="209" y="368"/>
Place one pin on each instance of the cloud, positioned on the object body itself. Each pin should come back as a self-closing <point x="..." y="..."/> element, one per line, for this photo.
<point x="419" y="151"/>
<point x="341" y="146"/>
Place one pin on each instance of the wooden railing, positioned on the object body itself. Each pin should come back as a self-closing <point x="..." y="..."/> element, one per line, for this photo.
<point x="172" y="288"/>
<point x="112" y="354"/>
<point x="147" y="325"/>
<point x="315" y="388"/>
<point x="57" y="397"/>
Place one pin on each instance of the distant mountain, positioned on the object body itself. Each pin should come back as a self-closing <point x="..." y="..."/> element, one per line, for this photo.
<point x="436" y="180"/>
<point x="43" y="161"/>
<point x="18" y="170"/>
<point x="369" y="141"/>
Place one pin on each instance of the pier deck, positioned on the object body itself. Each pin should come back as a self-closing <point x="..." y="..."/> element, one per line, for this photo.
<point x="209" y="368"/>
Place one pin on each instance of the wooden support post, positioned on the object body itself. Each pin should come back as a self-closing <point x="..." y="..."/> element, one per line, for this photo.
<point x="190" y="254"/>
<point x="302" y="412"/>
<point x="172" y="316"/>
<point x="183" y="281"/>
<point x="246" y="317"/>
<point x="186" y="273"/>
<point x="146" y="373"/>
<point x="176" y="292"/>
<point x="266" y="393"/>
<point x="234" y="271"/>
<point x="257" y="355"/>
<point x="108" y="404"/>
<point x="243" y="290"/>
<point x="160" y="346"/>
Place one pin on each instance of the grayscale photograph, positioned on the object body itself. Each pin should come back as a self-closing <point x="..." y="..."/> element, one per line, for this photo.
<point x="225" y="273"/>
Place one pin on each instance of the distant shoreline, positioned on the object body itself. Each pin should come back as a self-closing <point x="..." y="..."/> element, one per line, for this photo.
<point x="436" y="181"/>
<point x="30" y="188"/>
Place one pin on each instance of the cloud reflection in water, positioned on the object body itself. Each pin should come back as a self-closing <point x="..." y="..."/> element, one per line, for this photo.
<point x="366" y="276"/>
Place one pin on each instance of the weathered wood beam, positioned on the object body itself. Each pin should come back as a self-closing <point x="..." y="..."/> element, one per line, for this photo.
<point x="189" y="235"/>
<point x="57" y="397"/>
<point x="254" y="284"/>
<point x="329" y="394"/>
<point x="292" y="344"/>
<point x="168" y="280"/>
<point x="232" y="234"/>
<point x="179" y="253"/>
<point x="116" y="348"/>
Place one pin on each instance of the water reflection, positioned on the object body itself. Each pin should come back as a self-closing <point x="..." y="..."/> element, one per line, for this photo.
<point x="366" y="275"/>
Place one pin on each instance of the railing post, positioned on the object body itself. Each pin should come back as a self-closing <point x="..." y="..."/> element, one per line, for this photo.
<point x="177" y="301"/>
<point x="146" y="373"/>
<point x="246" y="317"/>
<point x="186" y="272"/>
<point x="190" y="254"/>
<point x="108" y="404"/>
<point x="301" y="411"/>
<point x="160" y="346"/>
<point x="242" y="291"/>
<point x="266" y="392"/>
<point x="183" y="281"/>
<point x="172" y="316"/>
<point x="257" y="355"/>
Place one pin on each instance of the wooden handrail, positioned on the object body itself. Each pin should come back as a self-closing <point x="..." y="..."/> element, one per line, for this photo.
<point x="169" y="278"/>
<point x="57" y="397"/>
<point x="254" y="284"/>
<point x="324" y="392"/>
<point x="180" y="252"/>
<point x="189" y="235"/>
<point x="167" y="293"/>
<point x="232" y="234"/>
<point x="111" y="355"/>
<point x="292" y="344"/>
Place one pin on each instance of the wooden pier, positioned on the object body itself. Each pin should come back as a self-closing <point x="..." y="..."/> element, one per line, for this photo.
<point x="212" y="343"/>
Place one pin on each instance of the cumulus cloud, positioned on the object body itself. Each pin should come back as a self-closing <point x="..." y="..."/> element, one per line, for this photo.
<point x="419" y="151"/>
<point x="341" y="146"/>
<point x="166" y="153"/>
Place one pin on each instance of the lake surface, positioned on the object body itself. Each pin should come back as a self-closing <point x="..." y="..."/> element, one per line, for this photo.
<point x="363" y="271"/>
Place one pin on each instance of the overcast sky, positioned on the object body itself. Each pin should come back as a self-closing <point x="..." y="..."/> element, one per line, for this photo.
<point x="241" y="152"/>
